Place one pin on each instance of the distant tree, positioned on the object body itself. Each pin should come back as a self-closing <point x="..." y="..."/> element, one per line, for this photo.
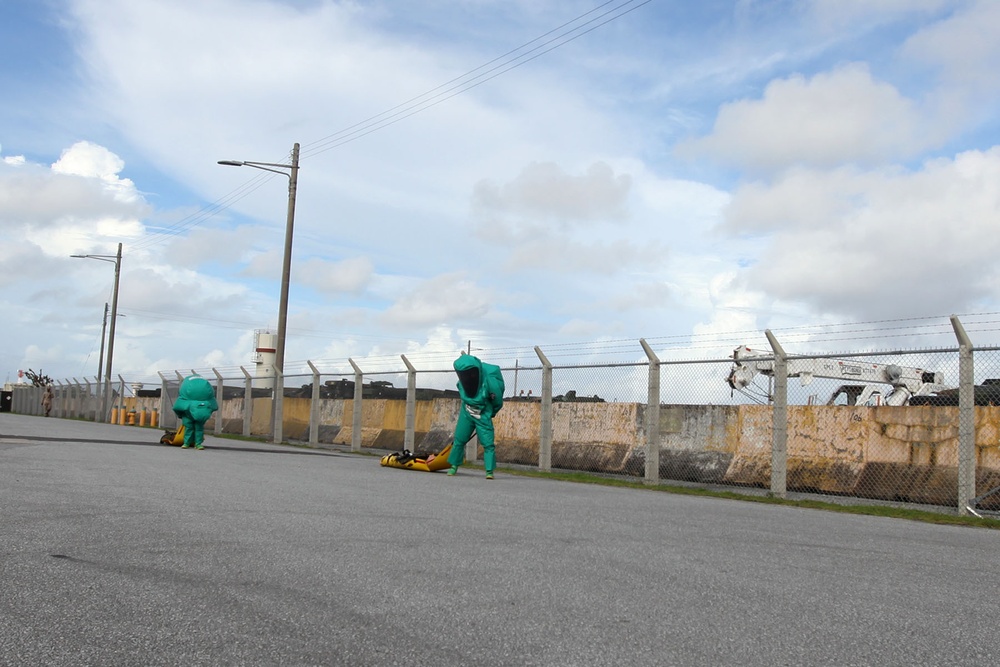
<point x="38" y="379"/>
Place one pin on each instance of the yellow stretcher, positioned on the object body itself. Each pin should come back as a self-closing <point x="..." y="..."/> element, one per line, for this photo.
<point x="173" y="437"/>
<point x="408" y="461"/>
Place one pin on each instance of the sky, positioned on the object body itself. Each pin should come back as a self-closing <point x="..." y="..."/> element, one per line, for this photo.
<point x="495" y="175"/>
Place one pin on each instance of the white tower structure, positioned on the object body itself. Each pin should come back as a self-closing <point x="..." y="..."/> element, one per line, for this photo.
<point x="265" y="350"/>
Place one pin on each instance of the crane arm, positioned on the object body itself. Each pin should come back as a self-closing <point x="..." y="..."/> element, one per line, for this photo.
<point x="748" y="363"/>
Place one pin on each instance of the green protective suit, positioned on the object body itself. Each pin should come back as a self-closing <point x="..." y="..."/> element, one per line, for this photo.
<point x="481" y="388"/>
<point x="194" y="405"/>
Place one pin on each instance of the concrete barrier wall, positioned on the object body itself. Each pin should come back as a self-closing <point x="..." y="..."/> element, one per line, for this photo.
<point x="699" y="443"/>
<point x="898" y="453"/>
<point x="909" y="454"/>
<point x="295" y="425"/>
<point x="517" y="430"/>
<point x="436" y="424"/>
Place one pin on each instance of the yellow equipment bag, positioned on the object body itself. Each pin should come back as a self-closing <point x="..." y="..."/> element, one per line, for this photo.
<point x="408" y="461"/>
<point x="173" y="437"/>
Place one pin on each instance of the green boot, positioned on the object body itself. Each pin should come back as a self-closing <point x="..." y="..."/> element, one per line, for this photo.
<point x="452" y="470"/>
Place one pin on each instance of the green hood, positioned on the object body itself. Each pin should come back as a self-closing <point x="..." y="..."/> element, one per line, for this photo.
<point x="480" y="385"/>
<point x="471" y="386"/>
<point x="195" y="399"/>
<point x="196" y="388"/>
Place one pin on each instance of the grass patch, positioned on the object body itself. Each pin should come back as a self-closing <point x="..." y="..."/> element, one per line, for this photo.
<point x="239" y="436"/>
<point x="888" y="511"/>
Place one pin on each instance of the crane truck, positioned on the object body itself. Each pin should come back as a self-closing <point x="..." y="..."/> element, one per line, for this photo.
<point x="867" y="380"/>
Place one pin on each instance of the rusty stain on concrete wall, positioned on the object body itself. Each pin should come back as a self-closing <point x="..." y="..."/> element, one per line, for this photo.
<point x="897" y="453"/>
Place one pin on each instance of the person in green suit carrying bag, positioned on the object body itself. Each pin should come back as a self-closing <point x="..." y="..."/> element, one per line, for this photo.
<point x="194" y="405"/>
<point x="480" y="386"/>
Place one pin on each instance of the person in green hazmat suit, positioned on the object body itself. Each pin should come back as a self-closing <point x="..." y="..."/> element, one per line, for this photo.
<point x="194" y="405"/>
<point x="480" y="386"/>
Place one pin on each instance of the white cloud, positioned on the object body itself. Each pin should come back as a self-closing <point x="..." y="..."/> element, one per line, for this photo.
<point x="550" y="220"/>
<point x="542" y="251"/>
<point x="735" y="308"/>
<point x="964" y="44"/>
<point x="544" y="204"/>
<point x="215" y="245"/>
<point x="350" y="275"/>
<point x="832" y="118"/>
<point x="648" y="296"/>
<point x="440" y="300"/>
<point x="544" y="190"/>
<point x="34" y="196"/>
<point x="887" y="242"/>
<point x="846" y="13"/>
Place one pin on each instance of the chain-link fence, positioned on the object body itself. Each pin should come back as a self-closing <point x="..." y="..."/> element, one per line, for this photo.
<point x="905" y="426"/>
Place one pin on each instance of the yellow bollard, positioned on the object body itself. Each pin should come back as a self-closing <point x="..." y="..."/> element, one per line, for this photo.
<point x="142" y="417"/>
<point x="121" y="417"/>
<point x="114" y="415"/>
<point x="152" y="418"/>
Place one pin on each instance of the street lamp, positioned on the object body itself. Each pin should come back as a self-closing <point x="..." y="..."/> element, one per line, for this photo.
<point x="117" y="261"/>
<point x="286" y="267"/>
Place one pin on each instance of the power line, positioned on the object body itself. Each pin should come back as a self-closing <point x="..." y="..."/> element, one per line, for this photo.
<point x="431" y="98"/>
<point x="458" y="85"/>
<point x="205" y="213"/>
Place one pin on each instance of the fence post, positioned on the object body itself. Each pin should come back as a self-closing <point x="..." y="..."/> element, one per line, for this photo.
<point x="78" y="399"/>
<point x="58" y="407"/>
<point x="545" y="437"/>
<point x="163" y="399"/>
<point x="81" y="398"/>
<point x="85" y="408"/>
<point x="220" y="399"/>
<point x="99" y="394"/>
<point x="314" y="406"/>
<point x="409" y="435"/>
<point x="652" y="416"/>
<point x="779" y="414"/>
<point x="278" y="427"/>
<point x="247" y="401"/>
<point x="121" y="399"/>
<point x="92" y="409"/>
<point x="97" y="399"/>
<point x="73" y="396"/>
<point x="356" y="420"/>
<point x="24" y="399"/>
<point x="966" y="418"/>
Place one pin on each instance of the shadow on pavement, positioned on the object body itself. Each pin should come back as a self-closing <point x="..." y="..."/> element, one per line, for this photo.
<point x="144" y="443"/>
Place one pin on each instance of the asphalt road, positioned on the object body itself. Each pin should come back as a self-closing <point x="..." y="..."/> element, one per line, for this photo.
<point x="115" y="550"/>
